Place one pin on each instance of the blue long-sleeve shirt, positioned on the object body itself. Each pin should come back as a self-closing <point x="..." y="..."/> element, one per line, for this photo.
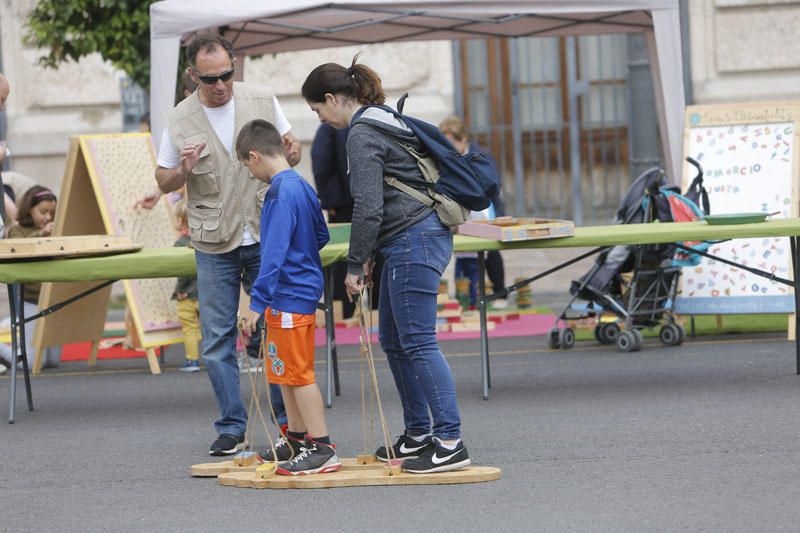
<point x="292" y="233"/>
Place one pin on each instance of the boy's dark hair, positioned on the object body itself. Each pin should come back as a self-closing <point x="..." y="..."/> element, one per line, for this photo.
<point x="261" y="136"/>
<point x="33" y="196"/>
<point x="208" y="42"/>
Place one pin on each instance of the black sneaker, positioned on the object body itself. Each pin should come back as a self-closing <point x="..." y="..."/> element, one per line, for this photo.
<point x="285" y="448"/>
<point x="437" y="458"/>
<point x="314" y="458"/>
<point x="227" y="444"/>
<point x="406" y="447"/>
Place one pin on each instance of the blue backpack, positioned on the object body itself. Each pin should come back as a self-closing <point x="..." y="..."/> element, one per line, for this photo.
<point x="471" y="180"/>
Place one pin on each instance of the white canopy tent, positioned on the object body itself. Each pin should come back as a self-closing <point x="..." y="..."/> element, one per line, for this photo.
<point x="268" y="27"/>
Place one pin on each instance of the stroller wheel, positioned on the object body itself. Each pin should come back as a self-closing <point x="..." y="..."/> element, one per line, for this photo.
<point x="626" y="342"/>
<point x="553" y="341"/>
<point x="598" y="334"/>
<point x="670" y="335"/>
<point x="610" y="332"/>
<point x="639" y="340"/>
<point x="566" y="338"/>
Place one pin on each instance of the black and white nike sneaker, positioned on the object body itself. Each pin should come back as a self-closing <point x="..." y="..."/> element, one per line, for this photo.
<point x="437" y="458"/>
<point x="406" y="447"/>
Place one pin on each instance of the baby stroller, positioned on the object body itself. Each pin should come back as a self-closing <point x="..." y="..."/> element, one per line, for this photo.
<point x="637" y="284"/>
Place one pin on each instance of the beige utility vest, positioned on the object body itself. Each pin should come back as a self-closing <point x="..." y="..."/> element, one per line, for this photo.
<point x="222" y="196"/>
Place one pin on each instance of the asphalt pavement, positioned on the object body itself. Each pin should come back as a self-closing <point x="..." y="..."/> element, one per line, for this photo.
<point x="701" y="437"/>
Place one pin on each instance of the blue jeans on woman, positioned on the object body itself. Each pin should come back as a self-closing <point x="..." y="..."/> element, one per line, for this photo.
<point x="219" y="278"/>
<point x="414" y="261"/>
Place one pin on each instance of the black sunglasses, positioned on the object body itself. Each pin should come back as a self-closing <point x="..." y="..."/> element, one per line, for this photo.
<point x="211" y="80"/>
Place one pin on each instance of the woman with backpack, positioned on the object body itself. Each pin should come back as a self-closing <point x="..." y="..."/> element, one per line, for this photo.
<point x="415" y="246"/>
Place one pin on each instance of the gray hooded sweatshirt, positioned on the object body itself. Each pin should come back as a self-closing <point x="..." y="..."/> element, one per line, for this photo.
<point x="381" y="211"/>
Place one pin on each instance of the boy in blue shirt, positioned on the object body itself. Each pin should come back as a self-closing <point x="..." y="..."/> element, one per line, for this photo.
<point x="286" y="292"/>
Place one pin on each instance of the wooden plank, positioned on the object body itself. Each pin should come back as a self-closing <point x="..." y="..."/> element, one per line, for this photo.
<point x="65" y="246"/>
<point x="510" y="229"/>
<point x="222" y="467"/>
<point x="358" y="478"/>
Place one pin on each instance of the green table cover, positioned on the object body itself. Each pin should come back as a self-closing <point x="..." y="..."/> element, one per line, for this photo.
<point x="179" y="261"/>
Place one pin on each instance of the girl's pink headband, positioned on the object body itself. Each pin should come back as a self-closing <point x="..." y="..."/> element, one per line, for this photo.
<point x="46" y="192"/>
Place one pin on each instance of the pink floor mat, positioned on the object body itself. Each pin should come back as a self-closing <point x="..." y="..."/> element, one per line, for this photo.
<point x="528" y="324"/>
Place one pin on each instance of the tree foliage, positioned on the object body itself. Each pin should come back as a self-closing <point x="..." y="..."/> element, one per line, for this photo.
<point x="119" y="30"/>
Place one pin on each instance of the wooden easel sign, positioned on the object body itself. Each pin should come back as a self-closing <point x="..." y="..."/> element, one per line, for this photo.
<point x="750" y="154"/>
<point x="104" y="176"/>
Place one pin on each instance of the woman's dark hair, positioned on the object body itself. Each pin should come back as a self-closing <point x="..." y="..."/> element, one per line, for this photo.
<point x="358" y="82"/>
<point x="33" y="196"/>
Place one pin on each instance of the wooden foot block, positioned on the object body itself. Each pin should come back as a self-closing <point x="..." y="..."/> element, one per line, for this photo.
<point x="266" y="470"/>
<point x="365" y="459"/>
<point x="392" y="469"/>
<point x="245" y="459"/>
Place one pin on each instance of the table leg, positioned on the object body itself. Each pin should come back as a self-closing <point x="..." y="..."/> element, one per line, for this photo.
<point x="12" y="400"/>
<point x="484" y="334"/>
<point x="327" y="293"/>
<point x="793" y="241"/>
<point x="23" y="345"/>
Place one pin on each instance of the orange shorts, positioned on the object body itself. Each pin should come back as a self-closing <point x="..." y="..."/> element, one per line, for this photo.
<point x="290" y="348"/>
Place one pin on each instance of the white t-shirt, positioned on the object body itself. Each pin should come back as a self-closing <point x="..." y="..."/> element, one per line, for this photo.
<point x="223" y="120"/>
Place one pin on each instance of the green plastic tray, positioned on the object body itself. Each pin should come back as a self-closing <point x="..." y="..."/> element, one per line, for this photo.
<point x="736" y="218"/>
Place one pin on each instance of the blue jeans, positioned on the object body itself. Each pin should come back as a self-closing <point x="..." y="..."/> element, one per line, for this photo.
<point x="219" y="277"/>
<point x="414" y="262"/>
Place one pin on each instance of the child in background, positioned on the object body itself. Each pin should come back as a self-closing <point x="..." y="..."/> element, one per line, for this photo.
<point x="467" y="262"/>
<point x="186" y="299"/>
<point x="287" y="290"/>
<point x="36" y="212"/>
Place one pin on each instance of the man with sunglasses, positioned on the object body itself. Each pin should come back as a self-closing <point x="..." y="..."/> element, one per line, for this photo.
<point x="224" y="209"/>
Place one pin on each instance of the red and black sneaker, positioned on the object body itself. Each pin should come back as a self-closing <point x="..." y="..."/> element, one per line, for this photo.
<point x="314" y="458"/>
<point x="285" y="449"/>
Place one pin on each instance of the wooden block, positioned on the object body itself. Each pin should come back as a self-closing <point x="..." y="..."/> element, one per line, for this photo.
<point x="245" y="459"/>
<point x="471" y="316"/>
<point x="471" y="326"/>
<point x="497" y="319"/>
<point x="366" y="459"/>
<point x="442" y="298"/>
<point x="75" y="245"/>
<point x="509" y="229"/>
<point x="449" y="312"/>
<point x="347" y="323"/>
<point x="266" y="470"/>
<point x="359" y="478"/>
<point x="453" y="319"/>
<point x="452" y="304"/>
<point x="442" y="328"/>
<point x="392" y="470"/>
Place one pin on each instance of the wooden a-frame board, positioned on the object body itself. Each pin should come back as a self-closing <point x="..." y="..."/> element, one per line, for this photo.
<point x="104" y="176"/>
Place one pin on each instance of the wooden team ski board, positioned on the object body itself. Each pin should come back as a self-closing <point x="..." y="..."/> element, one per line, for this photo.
<point x="359" y="477"/>
<point x="224" y="467"/>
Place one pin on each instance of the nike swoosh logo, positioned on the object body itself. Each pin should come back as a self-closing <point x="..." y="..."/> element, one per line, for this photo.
<point x="403" y="448"/>
<point x="439" y="460"/>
